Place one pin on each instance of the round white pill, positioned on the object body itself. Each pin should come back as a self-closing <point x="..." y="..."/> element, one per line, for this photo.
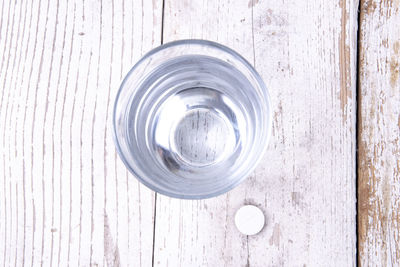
<point x="249" y="220"/>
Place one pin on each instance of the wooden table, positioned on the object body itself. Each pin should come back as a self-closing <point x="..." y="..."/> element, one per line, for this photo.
<point x="329" y="183"/>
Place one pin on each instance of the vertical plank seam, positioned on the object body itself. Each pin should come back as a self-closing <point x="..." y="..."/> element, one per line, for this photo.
<point x="162" y="21"/>
<point x="155" y="193"/>
<point x="358" y="115"/>
<point x="154" y="228"/>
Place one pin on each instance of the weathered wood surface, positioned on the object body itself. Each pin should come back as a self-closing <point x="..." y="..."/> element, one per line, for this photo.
<point x="379" y="134"/>
<point x="65" y="197"/>
<point x="306" y="53"/>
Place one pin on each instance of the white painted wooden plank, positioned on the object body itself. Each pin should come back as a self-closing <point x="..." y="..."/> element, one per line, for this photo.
<point x="65" y="196"/>
<point x="379" y="143"/>
<point x="306" y="53"/>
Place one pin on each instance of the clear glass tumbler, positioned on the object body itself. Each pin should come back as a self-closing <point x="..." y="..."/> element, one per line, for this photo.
<point x="192" y="119"/>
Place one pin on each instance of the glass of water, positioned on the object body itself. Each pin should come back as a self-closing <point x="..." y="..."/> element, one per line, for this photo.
<point x="192" y="119"/>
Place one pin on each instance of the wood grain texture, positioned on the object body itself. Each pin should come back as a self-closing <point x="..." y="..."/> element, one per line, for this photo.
<point x="379" y="134"/>
<point x="306" y="53"/>
<point x="65" y="197"/>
